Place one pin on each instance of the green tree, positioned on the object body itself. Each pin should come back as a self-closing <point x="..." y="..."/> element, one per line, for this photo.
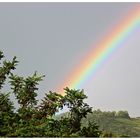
<point x="92" y="130"/>
<point x="6" y="106"/>
<point x="123" y="114"/>
<point x="50" y="104"/>
<point x="74" y="99"/>
<point x="37" y="120"/>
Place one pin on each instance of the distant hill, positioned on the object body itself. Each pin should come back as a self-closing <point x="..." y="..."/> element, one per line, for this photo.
<point x="118" y="124"/>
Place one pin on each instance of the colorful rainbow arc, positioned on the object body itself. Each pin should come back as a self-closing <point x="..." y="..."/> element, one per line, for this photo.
<point x="89" y="65"/>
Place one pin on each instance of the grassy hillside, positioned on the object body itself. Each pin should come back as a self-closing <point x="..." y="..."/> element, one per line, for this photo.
<point x="116" y="124"/>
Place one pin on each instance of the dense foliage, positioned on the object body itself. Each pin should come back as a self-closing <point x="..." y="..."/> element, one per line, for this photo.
<point x="32" y="119"/>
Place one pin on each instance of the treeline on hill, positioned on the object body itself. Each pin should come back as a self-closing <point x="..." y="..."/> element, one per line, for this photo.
<point x="111" y="123"/>
<point x="114" y="124"/>
<point x="34" y="119"/>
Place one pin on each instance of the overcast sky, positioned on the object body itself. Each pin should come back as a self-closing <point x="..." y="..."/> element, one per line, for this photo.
<point x="52" y="37"/>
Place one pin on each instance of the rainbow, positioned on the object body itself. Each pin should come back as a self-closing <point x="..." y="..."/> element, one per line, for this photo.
<point x="98" y="54"/>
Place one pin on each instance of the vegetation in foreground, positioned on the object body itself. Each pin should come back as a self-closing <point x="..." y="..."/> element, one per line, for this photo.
<point x="34" y="119"/>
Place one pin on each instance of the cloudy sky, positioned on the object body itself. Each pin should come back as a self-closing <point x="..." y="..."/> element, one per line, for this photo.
<point x="52" y="37"/>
